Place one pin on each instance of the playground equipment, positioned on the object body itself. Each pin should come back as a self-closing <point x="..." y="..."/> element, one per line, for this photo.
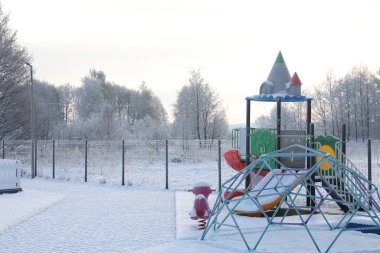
<point x="285" y="186"/>
<point x="201" y="210"/>
<point x="281" y="168"/>
<point x="250" y="143"/>
<point x="10" y="173"/>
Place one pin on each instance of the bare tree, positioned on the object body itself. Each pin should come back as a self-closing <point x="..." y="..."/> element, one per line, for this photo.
<point x="14" y="101"/>
<point x="198" y="111"/>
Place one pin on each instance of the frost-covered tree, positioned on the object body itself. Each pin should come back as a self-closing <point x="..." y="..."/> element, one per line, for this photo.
<point x="90" y="96"/>
<point x="14" y="75"/>
<point x="109" y="111"/>
<point x="49" y="113"/>
<point x="351" y="100"/>
<point x="67" y="99"/>
<point x="198" y="111"/>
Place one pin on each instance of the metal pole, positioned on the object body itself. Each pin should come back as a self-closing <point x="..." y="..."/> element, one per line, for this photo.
<point x="312" y="162"/>
<point x="308" y="115"/>
<point x="166" y="164"/>
<point x="308" y="159"/>
<point x="220" y="165"/>
<point x="53" y="159"/>
<point x="369" y="162"/>
<point x="32" y="137"/>
<point x="344" y="138"/>
<point x="85" y="162"/>
<point x="278" y="124"/>
<point x="122" y="163"/>
<point x="35" y="158"/>
<point x="247" y="140"/>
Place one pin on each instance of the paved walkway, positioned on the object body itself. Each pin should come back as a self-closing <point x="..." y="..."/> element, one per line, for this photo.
<point x="94" y="218"/>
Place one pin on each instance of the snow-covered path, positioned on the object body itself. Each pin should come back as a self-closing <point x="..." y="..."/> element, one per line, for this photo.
<point x="94" y="218"/>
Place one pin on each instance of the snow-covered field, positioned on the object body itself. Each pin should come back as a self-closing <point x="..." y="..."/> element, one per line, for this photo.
<point x="92" y="217"/>
<point x="67" y="216"/>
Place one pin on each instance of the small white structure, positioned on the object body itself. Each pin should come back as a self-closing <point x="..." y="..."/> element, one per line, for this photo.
<point x="10" y="173"/>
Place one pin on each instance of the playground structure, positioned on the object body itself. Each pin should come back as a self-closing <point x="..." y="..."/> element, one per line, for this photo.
<point x="286" y="187"/>
<point x="10" y="174"/>
<point x="279" y="169"/>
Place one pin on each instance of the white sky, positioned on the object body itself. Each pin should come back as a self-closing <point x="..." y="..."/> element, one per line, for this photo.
<point x="234" y="43"/>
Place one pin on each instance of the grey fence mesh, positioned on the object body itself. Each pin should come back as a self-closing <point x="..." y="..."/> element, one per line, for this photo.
<point x="189" y="161"/>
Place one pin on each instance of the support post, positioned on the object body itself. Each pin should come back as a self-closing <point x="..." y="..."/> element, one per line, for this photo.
<point x="53" y="159"/>
<point x="370" y="162"/>
<point x="312" y="162"/>
<point x="220" y="165"/>
<point x="309" y="142"/>
<point x="308" y="116"/>
<point x="85" y="162"/>
<point x="278" y="124"/>
<point x="247" y="140"/>
<point x="122" y="163"/>
<point x="166" y="164"/>
<point x="344" y="138"/>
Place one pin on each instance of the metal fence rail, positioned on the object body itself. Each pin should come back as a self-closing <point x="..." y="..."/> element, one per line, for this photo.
<point x="147" y="163"/>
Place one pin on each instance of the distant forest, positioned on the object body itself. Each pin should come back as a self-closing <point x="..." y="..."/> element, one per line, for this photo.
<point x="101" y="109"/>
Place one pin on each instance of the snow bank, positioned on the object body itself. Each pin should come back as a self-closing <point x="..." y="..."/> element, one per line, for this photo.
<point x="18" y="207"/>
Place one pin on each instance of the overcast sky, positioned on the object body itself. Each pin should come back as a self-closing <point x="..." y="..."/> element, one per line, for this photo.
<point x="234" y="43"/>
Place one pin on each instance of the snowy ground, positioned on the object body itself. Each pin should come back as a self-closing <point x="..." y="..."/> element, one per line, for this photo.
<point x="92" y="217"/>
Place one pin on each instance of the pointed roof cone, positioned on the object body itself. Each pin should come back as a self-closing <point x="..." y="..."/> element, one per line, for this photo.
<point x="295" y="79"/>
<point x="279" y="73"/>
<point x="280" y="58"/>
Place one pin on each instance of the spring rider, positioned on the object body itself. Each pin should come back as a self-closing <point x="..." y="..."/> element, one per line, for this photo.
<point x="201" y="210"/>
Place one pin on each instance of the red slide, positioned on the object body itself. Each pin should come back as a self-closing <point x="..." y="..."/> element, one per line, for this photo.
<point x="233" y="159"/>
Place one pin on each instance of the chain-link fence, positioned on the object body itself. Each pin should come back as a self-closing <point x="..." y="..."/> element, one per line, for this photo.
<point x="177" y="164"/>
<point x="172" y="163"/>
<point x="357" y="152"/>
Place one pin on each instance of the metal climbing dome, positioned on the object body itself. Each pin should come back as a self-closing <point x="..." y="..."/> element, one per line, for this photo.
<point x="283" y="190"/>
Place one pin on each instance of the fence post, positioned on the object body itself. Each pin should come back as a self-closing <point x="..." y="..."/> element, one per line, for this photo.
<point x="53" y="159"/>
<point x="167" y="164"/>
<point x="3" y="143"/>
<point x="312" y="163"/>
<point x="122" y="163"/>
<point x="344" y="139"/>
<point x="369" y="162"/>
<point x="85" y="162"/>
<point x="35" y="158"/>
<point x="308" y="160"/>
<point x="219" y="165"/>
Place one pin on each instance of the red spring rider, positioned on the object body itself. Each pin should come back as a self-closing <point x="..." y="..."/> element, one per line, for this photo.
<point x="201" y="210"/>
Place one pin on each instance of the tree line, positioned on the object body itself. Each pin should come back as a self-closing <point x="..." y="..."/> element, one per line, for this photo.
<point x="98" y="108"/>
<point x="101" y="109"/>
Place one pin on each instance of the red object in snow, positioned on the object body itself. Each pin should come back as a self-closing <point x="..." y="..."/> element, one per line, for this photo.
<point x="201" y="209"/>
<point x="233" y="159"/>
<point x="234" y="195"/>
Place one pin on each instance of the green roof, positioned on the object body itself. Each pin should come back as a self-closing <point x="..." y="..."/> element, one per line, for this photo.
<point x="279" y="58"/>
